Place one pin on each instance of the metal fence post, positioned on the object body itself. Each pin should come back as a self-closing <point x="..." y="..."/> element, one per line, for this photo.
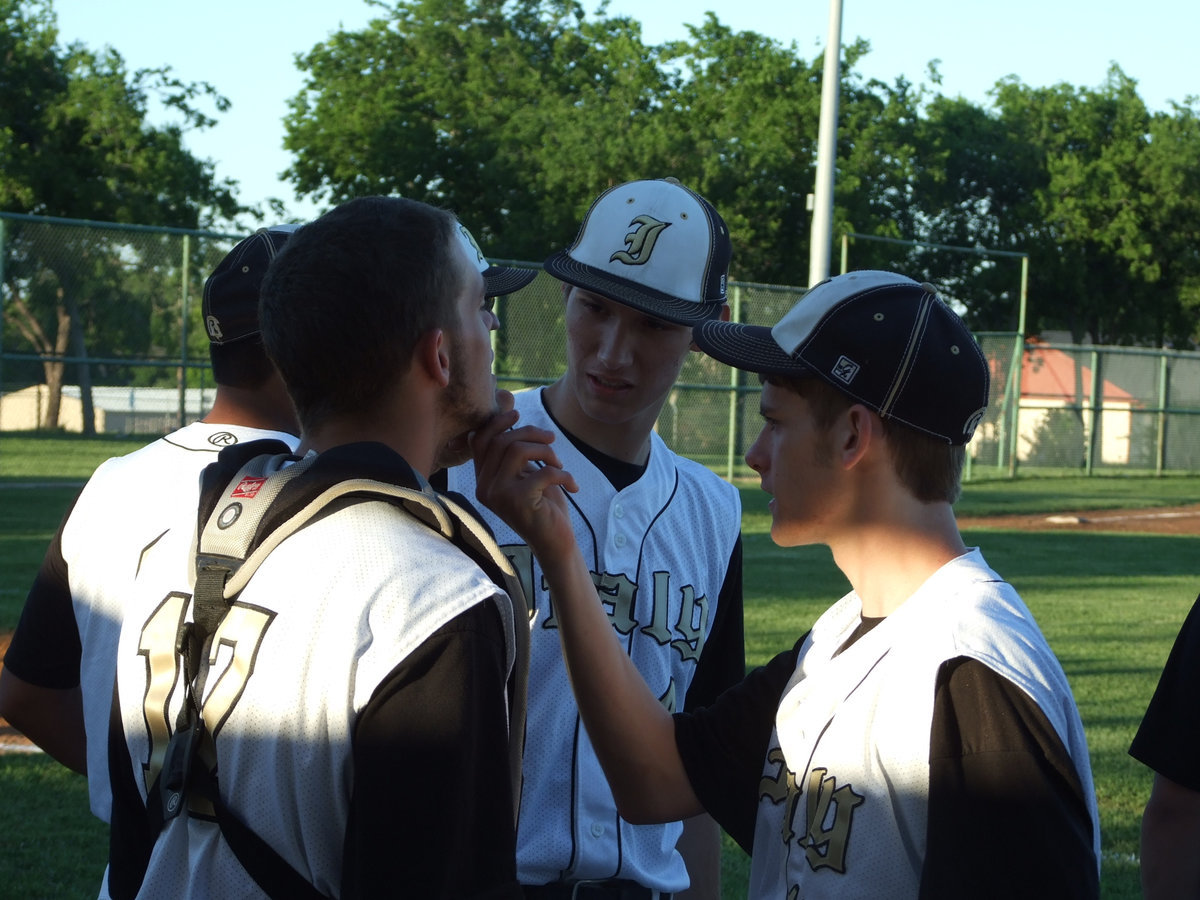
<point x="1160" y="449"/>
<point x="1017" y="366"/>
<point x="1096" y="399"/>
<point x="183" y="335"/>
<point x="735" y="315"/>
<point x="1012" y="411"/>
<point x="3" y="256"/>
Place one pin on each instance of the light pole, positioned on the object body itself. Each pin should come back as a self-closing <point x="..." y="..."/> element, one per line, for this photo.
<point x="822" y="220"/>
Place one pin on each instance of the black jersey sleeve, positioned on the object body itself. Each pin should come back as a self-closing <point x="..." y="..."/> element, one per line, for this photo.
<point x="1007" y="815"/>
<point x="1169" y="733"/>
<point x="723" y="662"/>
<point x="432" y="801"/>
<point x="45" y="649"/>
<point x="724" y="746"/>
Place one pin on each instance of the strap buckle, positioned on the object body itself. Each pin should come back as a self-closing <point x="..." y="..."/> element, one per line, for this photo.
<point x="177" y="768"/>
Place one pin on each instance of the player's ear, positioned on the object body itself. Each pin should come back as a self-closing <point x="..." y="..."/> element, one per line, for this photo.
<point x="852" y="434"/>
<point x="432" y="356"/>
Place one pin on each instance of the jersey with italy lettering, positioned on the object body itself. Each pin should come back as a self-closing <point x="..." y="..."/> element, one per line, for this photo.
<point x="878" y="780"/>
<point x="72" y="617"/>
<point x="660" y="552"/>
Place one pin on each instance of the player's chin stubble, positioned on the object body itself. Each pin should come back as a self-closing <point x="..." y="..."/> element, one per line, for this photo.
<point x="466" y="417"/>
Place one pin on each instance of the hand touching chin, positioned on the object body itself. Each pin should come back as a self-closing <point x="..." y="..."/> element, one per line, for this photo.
<point x="457" y="450"/>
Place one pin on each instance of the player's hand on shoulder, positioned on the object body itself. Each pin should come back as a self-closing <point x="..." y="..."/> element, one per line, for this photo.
<point x="520" y="478"/>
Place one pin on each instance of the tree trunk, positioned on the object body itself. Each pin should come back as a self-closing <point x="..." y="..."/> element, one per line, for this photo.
<point x="54" y="382"/>
<point x="50" y="351"/>
<point x="79" y="350"/>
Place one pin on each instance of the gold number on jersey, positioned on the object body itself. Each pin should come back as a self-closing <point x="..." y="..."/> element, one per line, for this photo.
<point x="241" y="631"/>
<point x="157" y="644"/>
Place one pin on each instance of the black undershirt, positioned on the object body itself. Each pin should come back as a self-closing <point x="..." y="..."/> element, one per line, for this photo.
<point x="866" y="623"/>
<point x="620" y="474"/>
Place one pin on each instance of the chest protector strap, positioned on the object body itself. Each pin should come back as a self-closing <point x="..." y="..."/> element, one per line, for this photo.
<point x="242" y="518"/>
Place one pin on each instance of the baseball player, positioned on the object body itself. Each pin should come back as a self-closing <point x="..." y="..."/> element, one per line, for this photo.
<point x="921" y="740"/>
<point x="660" y="534"/>
<point x="56" y="685"/>
<point x="358" y="717"/>
<point x="1166" y="742"/>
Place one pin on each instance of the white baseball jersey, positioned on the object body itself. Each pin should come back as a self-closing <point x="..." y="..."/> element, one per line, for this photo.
<point x="128" y="504"/>
<point x="314" y="645"/>
<point x="843" y="810"/>
<point x="658" y="551"/>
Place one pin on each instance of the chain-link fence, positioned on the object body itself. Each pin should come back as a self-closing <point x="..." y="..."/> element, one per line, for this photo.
<point x="101" y="325"/>
<point x="101" y="331"/>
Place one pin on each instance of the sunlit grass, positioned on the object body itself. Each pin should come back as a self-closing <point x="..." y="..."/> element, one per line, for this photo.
<point x="1109" y="604"/>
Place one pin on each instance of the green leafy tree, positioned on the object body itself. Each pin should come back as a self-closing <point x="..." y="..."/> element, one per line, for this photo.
<point x="515" y="113"/>
<point x="1099" y="192"/>
<point x="743" y="132"/>
<point x="76" y="143"/>
<point x="509" y="113"/>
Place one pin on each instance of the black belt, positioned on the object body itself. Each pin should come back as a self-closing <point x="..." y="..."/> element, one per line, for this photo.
<point x="611" y="889"/>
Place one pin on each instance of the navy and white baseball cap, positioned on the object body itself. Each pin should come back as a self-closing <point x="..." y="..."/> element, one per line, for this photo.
<point x="497" y="280"/>
<point x="884" y="339"/>
<point x="230" y="305"/>
<point x="653" y="245"/>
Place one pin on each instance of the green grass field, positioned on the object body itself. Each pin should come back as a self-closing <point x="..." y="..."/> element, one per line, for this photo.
<point x="1110" y="605"/>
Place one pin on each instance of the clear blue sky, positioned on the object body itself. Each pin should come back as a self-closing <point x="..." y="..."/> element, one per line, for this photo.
<point x="246" y="50"/>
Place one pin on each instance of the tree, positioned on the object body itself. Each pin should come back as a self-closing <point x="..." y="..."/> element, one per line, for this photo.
<point x="76" y="143"/>
<point x="1100" y="193"/>
<point x="516" y="113"/>
<point x="1171" y="220"/>
<point x="745" y="111"/>
<point x="506" y="112"/>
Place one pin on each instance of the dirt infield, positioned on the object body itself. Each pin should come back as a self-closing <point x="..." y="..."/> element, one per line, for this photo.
<point x="10" y="738"/>
<point x="1179" y="520"/>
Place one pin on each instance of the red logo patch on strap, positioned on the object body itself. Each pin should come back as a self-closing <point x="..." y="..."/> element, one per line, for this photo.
<point x="248" y="487"/>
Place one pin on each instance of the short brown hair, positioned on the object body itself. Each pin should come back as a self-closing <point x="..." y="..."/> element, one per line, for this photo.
<point x="349" y="296"/>
<point x="929" y="467"/>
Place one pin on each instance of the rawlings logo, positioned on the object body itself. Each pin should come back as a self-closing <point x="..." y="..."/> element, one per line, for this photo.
<point x="214" y="327"/>
<point x="248" y="487"/>
<point x="640" y="241"/>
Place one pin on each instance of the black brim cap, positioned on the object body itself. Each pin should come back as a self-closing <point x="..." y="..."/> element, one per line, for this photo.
<point x="230" y="304"/>
<point x="501" y="280"/>
<point x="883" y="339"/>
<point x="748" y="347"/>
<point x="497" y="280"/>
<point x="653" y="245"/>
